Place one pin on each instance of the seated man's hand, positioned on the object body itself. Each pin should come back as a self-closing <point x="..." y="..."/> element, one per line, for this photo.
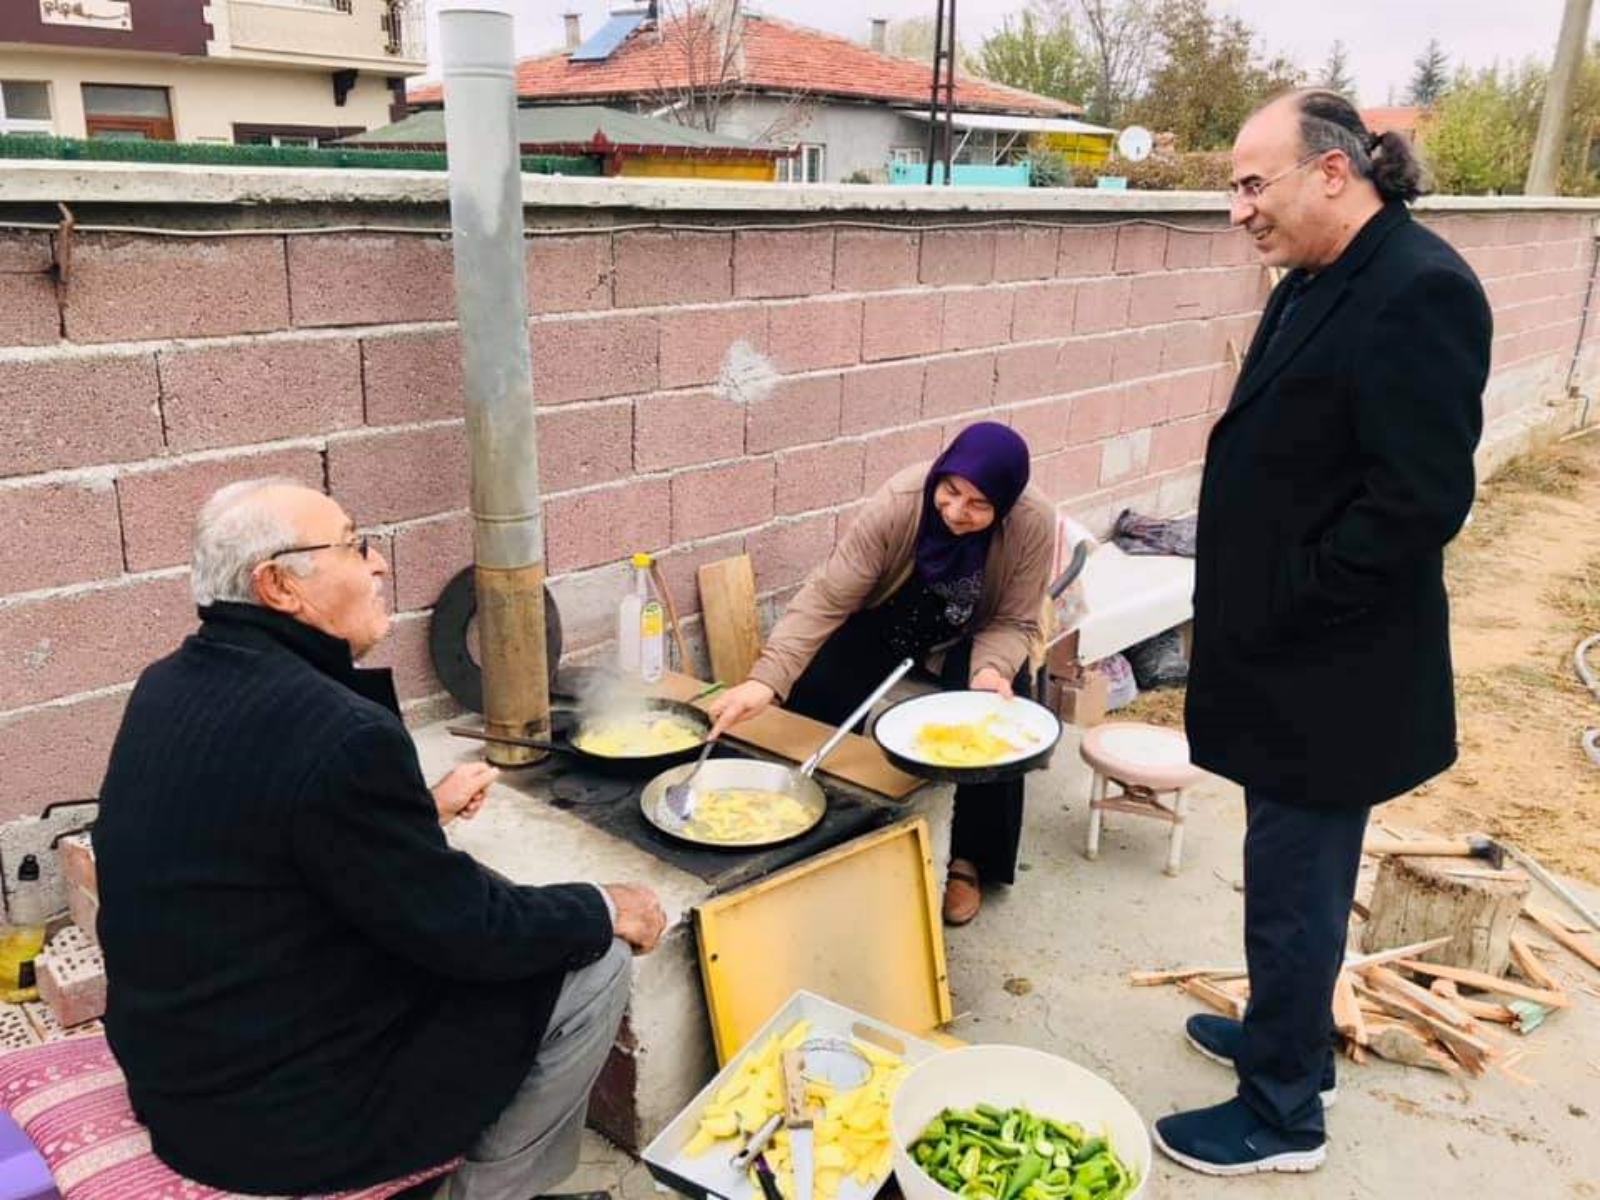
<point x="462" y="792"/>
<point x="640" y="919"/>
<point x="990" y="680"/>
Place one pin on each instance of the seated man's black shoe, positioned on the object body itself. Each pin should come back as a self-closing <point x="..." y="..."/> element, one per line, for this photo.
<point x="1230" y="1139"/>
<point x="1218" y="1039"/>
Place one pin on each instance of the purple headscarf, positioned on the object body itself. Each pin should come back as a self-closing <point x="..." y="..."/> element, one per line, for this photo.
<point x="994" y="459"/>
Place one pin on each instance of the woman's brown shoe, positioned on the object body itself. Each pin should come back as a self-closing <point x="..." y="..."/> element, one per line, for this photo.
<point x="962" y="899"/>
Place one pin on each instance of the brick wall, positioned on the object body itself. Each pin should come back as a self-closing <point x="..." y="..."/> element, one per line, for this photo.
<point x="738" y="384"/>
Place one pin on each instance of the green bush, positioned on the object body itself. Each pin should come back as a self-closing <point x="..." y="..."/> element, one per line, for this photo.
<point x="1050" y="169"/>
<point x="1194" y="172"/>
<point x="20" y="146"/>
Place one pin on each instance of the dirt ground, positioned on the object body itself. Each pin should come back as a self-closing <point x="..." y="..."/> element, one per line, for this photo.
<point x="1524" y="581"/>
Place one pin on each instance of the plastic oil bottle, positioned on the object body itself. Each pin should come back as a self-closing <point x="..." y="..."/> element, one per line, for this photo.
<point x="21" y="941"/>
<point x="652" y="641"/>
<point x="630" y="614"/>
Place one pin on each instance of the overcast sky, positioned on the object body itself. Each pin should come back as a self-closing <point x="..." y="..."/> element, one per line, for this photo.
<point x="1384" y="36"/>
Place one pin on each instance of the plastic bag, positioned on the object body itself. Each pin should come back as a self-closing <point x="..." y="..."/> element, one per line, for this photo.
<point x="1138" y="534"/>
<point x="1121" y="688"/>
<point x="1159" y="661"/>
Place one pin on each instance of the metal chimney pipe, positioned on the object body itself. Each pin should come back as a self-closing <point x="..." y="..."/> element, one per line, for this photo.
<point x="480" y="108"/>
<point x="574" y="24"/>
<point x="879" y="38"/>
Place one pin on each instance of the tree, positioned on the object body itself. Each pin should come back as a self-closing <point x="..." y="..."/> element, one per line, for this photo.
<point x="1431" y="77"/>
<point x="1038" y="53"/>
<point x="911" y="38"/>
<point x="1116" y="37"/>
<point x="1336" y="75"/>
<point x="1209" y="77"/>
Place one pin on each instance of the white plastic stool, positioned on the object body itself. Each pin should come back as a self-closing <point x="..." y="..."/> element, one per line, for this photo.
<point x="1147" y="762"/>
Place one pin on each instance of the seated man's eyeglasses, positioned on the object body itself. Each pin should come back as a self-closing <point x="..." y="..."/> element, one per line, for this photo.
<point x="362" y="545"/>
<point x="1251" y="189"/>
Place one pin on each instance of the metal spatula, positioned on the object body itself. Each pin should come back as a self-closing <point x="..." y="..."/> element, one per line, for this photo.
<point x="679" y="797"/>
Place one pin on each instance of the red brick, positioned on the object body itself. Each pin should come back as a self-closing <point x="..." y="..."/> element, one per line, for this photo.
<point x="1102" y="305"/>
<point x="81" y="641"/>
<point x="25" y="253"/>
<point x="695" y="342"/>
<point x="1189" y="248"/>
<point x="77" y="862"/>
<point x="405" y="652"/>
<point x="584" y="529"/>
<point x="78" y="411"/>
<point x="1070" y="474"/>
<point x="1144" y="404"/>
<point x="680" y="567"/>
<point x="567" y="274"/>
<point x="719" y="499"/>
<point x="958" y="384"/>
<point x="901" y="326"/>
<point x="956" y="256"/>
<point x="1030" y="373"/>
<point x="783" y="262"/>
<point x="1086" y="362"/>
<point x="1188" y="394"/>
<point x="159" y="507"/>
<point x="29" y="313"/>
<point x="1095" y="415"/>
<point x="83" y="907"/>
<point x="126" y="289"/>
<point x="884" y="397"/>
<point x="412" y="377"/>
<point x="809" y="334"/>
<point x="56" y="753"/>
<point x="1179" y="444"/>
<point x="393" y="476"/>
<point x="892" y="451"/>
<point x="371" y="278"/>
<point x="1125" y="457"/>
<point x="58" y="533"/>
<point x="1043" y="426"/>
<point x="591" y="358"/>
<point x="585" y="445"/>
<point x="1154" y="300"/>
<point x="1026" y="253"/>
<point x="1233" y="249"/>
<point x="1043" y="311"/>
<point x="1089" y="250"/>
<point x="819" y="477"/>
<point x="426" y="556"/>
<point x="1136" y="354"/>
<point x="787" y="551"/>
<point x="685" y="428"/>
<point x="672" y="268"/>
<point x="262" y="391"/>
<point x="72" y="981"/>
<point x="1243" y="289"/>
<point x="1191" y="344"/>
<point x="1140" y="248"/>
<point x="866" y="260"/>
<point x="798" y="411"/>
<point x="976" y="318"/>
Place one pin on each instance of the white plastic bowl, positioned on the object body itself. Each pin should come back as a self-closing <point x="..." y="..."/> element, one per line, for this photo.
<point x="1005" y="1076"/>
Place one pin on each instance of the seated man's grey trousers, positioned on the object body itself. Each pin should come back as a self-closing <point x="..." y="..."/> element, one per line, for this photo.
<point x="533" y="1144"/>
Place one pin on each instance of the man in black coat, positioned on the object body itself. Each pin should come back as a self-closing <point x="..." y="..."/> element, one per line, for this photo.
<point x="1321" y="677"/>
<point x="309" y="990"/>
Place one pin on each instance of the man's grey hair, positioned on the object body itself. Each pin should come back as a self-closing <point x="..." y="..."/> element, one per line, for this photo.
<point x="235" y="532"/>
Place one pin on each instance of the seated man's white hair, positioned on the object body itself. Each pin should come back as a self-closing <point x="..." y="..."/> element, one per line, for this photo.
<point x="235" y="531"/>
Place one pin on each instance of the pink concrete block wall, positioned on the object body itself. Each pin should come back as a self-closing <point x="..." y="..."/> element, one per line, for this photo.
<point x="701" y="393"/>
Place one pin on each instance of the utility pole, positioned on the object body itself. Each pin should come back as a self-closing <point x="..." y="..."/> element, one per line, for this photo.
<point x="944" y="79"/>
<point x="1545" y="171"/>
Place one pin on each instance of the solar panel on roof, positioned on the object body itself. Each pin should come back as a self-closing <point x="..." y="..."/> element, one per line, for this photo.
<point x="604" y="42"/>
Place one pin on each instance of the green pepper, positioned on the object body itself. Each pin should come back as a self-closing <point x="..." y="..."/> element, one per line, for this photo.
<point x="968" y="1166"/>
<point x="990" y="1110"/>
<point x="1029" y="1169"/>
<point x="976" y="1120"/>
<point x="1089" y="1149"/>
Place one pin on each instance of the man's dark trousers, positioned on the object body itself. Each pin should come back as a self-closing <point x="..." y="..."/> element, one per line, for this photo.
<point x="1300" y="867"/>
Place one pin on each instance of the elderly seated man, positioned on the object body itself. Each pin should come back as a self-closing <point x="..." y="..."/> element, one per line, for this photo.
<point x="309" y="989"/>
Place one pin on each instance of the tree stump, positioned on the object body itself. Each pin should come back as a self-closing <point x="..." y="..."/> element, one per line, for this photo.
<point x="1415" y="899"/>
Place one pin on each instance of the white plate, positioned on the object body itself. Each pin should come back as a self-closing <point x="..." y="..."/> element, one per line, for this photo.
<point x="1030" y="728"/>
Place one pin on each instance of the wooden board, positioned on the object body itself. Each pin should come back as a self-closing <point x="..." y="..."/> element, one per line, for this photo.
<point x="793" y="738"/>
<point x="728" y="609"/>
<point x="1547" y="921"/>
<point x="1489" y="983"/>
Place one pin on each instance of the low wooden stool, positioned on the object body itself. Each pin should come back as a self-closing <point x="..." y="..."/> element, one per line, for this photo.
<point x="1147" y="762"/>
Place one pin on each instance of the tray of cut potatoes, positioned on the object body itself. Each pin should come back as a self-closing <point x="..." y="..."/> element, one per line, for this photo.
<point x="693" y="1154"/>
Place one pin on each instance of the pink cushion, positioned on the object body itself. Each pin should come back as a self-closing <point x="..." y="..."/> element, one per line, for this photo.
<point x="71" y="1100"/>
<point x="1143" y="755"/>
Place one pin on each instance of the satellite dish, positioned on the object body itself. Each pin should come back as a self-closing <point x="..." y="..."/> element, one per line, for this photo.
<point x="1135" y="143"/>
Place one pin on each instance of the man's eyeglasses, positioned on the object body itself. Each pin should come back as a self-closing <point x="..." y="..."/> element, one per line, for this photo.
<point x="1251" y="189"/>
<point x="362" y="545"/>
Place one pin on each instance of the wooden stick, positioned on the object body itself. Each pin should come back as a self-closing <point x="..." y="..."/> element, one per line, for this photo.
<point x="665" y="592"/>
<point x="1157" y="978"/>
<point x="1547" y="921"/>
<point x="1355" y="961"/>
<point x="1386" y="980"/>
<point x="1489" y="983"/>
<point x="1212" y="996"/>
<point x="1468" y="1050"/>
<point x="1347" y="1017"/>
<point x="1529" y="966"/>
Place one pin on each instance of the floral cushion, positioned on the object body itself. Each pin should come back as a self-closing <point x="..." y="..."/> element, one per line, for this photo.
<point x="71" y="1100"/>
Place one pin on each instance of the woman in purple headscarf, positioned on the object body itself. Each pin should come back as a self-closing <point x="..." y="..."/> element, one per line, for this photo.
<point x="947" y="564"/>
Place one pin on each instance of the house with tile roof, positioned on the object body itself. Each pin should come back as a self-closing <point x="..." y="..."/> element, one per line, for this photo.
<point x="849" y="110"/>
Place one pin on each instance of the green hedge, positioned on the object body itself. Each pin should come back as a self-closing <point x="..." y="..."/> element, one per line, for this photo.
<point x="207" y="154"/>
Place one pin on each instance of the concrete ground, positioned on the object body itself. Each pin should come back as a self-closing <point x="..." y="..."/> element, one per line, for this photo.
<point x="1074" y="929"/>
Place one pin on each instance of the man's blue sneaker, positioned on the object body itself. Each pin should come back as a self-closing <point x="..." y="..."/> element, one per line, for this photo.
<point x="1218" y="1039"/>
<point x="1229" y="1139"/>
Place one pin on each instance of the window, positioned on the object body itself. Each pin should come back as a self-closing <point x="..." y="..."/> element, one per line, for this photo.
<point x="24" y="107"/>
<point x="306" y="140"/>
<point x="908" y="154"/>
<point x="125" y="113"/>
<point x="804" y="167"/>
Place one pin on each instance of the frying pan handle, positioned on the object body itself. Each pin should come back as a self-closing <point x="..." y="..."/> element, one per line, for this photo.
<point x="827" y="748"/>
<point x="506" y="739"/>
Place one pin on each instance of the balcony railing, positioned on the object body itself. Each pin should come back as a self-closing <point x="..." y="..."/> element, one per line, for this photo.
<point x="403" y="27"/>
<point x="343" y="6"/>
